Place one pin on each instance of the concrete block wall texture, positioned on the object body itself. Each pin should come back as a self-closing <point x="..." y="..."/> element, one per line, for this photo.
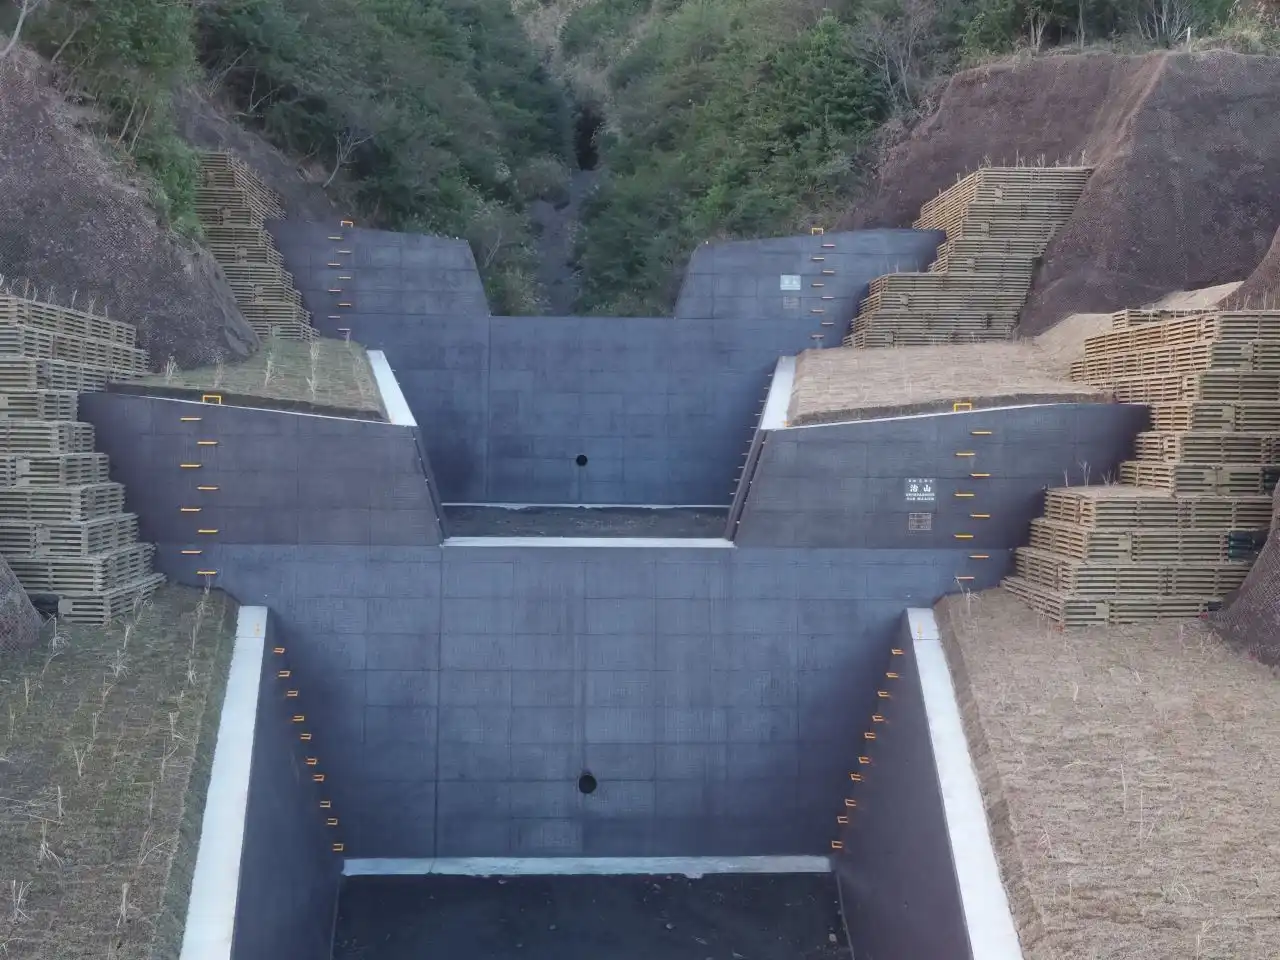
<point x="816" y="279"/>
<point x="849" y="484"/>
<point x="351" y="278"/>
<point x="261" y="477"/>
<point x="897" y="877"/>
<point x="462" y="690"/>
<point x="289" y="874"/>
<point x="662" y="408"/>
<point x="711" y="692"/>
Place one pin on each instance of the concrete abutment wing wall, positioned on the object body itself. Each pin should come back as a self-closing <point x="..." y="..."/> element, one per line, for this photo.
<point x="462" y="690"/>
<point x="661" y="407"/>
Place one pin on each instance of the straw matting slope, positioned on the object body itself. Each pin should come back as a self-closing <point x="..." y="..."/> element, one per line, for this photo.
<point x="1185" y="192"/>
<point x="1128" y="775"/>
<point x="72" y="224"/>
<point x="847" y="383"/>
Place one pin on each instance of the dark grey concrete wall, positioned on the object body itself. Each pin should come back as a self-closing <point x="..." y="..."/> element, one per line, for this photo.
<point x="847" y="484"/>
<point x="350" y="277"/>
<point x="289" y="874"/>
<point x="278" y="477"/>
<point x="897" y="877"/>
<point x="663" y="408"/>
<point x="463" y="689"/>
<point x="745" y="279"/>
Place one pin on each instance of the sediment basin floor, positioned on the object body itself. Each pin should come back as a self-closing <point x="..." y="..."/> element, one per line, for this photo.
<point x="497" y="520"/>
<point x="724" y="917"/>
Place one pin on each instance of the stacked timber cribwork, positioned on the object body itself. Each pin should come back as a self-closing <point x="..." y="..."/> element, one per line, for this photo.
<point x="63" y="529"/>
<point x="234" y="207"/>
<point x="998" y="221"/>
<point x="1191" y="512"/>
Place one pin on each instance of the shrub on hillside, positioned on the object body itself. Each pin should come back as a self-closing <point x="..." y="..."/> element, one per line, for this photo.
<point x="728" y="126"/>
<point x="426" y="106"/>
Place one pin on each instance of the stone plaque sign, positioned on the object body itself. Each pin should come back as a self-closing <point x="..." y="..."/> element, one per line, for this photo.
<point x="790" y="281"/>
<point x="920" y="490"/>
<point x="919" y="521"/>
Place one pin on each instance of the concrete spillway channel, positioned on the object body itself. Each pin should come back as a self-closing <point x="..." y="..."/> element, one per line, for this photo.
<point x="584" y="605"/>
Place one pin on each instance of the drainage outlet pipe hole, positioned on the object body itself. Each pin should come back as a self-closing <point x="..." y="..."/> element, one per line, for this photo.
<point x="587" y="784"/>
<point x="581" y="460"/>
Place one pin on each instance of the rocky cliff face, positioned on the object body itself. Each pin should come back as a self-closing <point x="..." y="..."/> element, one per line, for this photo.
<point x="72" y="224"/>
<point x="1186" y="192"/>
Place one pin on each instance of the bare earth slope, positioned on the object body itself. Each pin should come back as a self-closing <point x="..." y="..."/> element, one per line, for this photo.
<point x="72" y="223"/>
<point x="1262" y="287"/>
<point x="1186" y="191"/>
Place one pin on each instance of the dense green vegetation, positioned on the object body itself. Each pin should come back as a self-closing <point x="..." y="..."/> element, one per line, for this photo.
<point x="436" y="114"/>
<point x="749" y="118"/>
<point x="725" y="118"/>
<point x="127" y="56"/>
<point x="439" y="111"/>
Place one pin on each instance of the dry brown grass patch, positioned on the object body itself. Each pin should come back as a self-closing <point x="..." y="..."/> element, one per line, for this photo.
<point x="326" y="372"/>
<point x="105" y="737"/>
<point x="1130" y="778"/>
<point x="850" y="384"/>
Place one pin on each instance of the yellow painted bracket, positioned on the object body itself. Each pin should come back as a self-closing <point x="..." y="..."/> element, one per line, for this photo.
<point x="837" y="845"/>
<point x="816" y="231"/>
<point x="211" y="398"/>
<point x="961" y="406"/>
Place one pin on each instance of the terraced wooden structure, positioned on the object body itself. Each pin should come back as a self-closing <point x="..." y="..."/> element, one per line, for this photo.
<point x="63" y="528"/>
<point x="1190" y="512"/>
<point x="234" y="206"/>
<point x="998" y="221"/>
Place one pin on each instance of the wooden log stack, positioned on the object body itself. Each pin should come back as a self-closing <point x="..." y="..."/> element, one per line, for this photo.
<point x="64" y="531"/>
<point x="998" y="221"/>
<point x="234" y="207"/>
<point x="1180" y="526"/>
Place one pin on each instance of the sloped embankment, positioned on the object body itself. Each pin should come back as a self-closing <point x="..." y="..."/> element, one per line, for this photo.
<point x="1262" y="287"/>
<point x="72" y="224"/>
<point x="1185" y="191"/>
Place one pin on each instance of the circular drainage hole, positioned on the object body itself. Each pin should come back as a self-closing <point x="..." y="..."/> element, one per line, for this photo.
<point x="587" y="783"/>
<point x="581" y="460"/>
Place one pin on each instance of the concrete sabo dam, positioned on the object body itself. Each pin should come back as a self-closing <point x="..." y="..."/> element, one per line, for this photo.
<point x="575" y="699"/>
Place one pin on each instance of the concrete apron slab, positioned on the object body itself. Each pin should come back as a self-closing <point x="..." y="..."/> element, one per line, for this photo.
<point x="692" y="867"/>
